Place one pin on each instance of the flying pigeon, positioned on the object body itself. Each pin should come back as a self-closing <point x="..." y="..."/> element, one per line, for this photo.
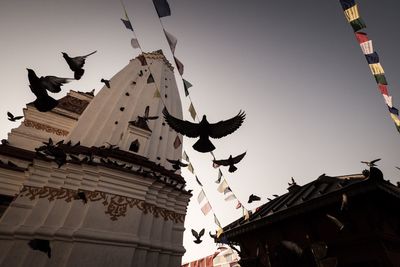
<point x="11" y="117"/>
<point x="76" y="64"/>
<point x="253" y="198"/>
<point x="106" y="82"/>
<point x="198" y="236"/>
<point x="40" y="86"/>
<point x="177" y="164"/>
<point x="41" y="245"/>
<point x="204" y="129"/>
<point x="230" y="161"/>
<point x="371" y="163"/>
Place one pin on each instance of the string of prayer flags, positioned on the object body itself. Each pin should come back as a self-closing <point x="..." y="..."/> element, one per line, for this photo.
<point x="126" y="20"/>
<point x="219" y="177"/>
<point x="186" y="86"/>
<point x="179" y="65"/>
<point x="177" y="142"/>
<point x="192" y="111"/>
<point x="172" y="41"/>
<point x="203" y="202"/>
<point x="162" y="8"/>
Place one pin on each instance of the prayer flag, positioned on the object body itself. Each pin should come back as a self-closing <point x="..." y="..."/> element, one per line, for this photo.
<point x="192" y="111"/>
<point x="395" y="119"/>
<point x="230" y="197"/>
<point x="219" y="177"/>
<point x="376" y="68"/>
<point x="150" y="79"/>
<point x="221" y="188"/>
<point x="206" y="208"/>
<point x="372" y="58"/>
<point x="380" y="79"/>
<point x="135" y="43"/>
<point x="238" y="205"/>
<point x="162" y="8"/>
<point x="217" y="221"/>
<point x="362" y="37"/>
<point x="383" y="89"/>
<point x="388" y="100"/>
<point x="186" y="86"/>
<point x="203" y="201"/>
<point x="227" y="190"/>
<point x="185" y="156"/>
<point x="172" y="41"/>
<point x="215" y="165"/>
<point x="346" y="4"/>
<point x="219" y="232"/>
<point x="357" y="24"/>
<point x="352" y="13"/>
<point x="179" y="65"/>
<point x="157" y="94"/>
<point x="245" y="213"/>
<point x="394" y="111"/>
<point x="367" y="47"/>
<point x="201" y="196"/>
<point x="127" y="24"/>
<point x="190" y="167"/>
<point x="198" y="181"/>
<point x="177" y="142"/>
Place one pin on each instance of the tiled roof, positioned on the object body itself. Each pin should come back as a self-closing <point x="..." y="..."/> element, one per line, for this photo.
<point x="313" y="194"/>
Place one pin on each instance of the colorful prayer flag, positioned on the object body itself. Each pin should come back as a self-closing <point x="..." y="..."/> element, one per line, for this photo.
<point x="245" y="213"/>
<point x="206" y="208"/>
<point x="150" y="79"/>
<point x="198" y="181"/>
<point x="201" y="196"/>
<point x="346" y="4"/>
<point x="219" y="177"/>
<point x="172" y="41"/>
<point x="192" y="111"/>
<point x="230" y="197"/>
<point x="162" y="8"/>
<point x="185" y="156"/>
<point x="357" y="24"/>
<point x="394" y="111"/>
<point x="388" y="100"/>
<point x="157" y="94"/>
<point x="372" y="58"/>
<point x="135" y="43"/>
<point x="127" y="24"/>
<point x="383" y="89"/>
<point x="362" y="37"/>
<point x="179" y="65"/>
<point x="376" y="68"/>
<point x="352" y="13"/>
<point x="221" y="188"/>
<point x="177" y="142"/>
<point x="186" y="86"/>
<point x="367" y="47"/>
<point x="380" y="79"/>
<point x="238" y="205"/>
<point x="227" y="190"/>
<point x="217" y="221"/>
<point x="219" y="232"/>
<point x="190" y="167"/>
<point x="395" y="119"/>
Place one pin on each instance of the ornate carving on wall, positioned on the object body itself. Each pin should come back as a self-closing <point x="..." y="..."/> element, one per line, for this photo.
<point x="45" y="127"/>
<point x="72" y="104"/>
<point x="116" y="205"/>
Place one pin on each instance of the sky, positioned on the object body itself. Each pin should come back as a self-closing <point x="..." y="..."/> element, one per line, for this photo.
<point x="312" y="105"/>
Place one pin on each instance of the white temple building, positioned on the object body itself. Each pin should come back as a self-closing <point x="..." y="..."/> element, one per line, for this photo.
<point x="115" y="200"/>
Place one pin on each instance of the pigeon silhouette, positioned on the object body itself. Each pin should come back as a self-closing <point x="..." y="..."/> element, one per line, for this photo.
<point x="76" y="64"/>
<point x="177" y="164"/>
<point x="230" y="161"/>
<point x="106" y="82"/>
<point x="41" y="245"/>
<point x="198" y="236"/>
<point x="371" y="163"/>
<point x="40" y="86"/>
<point x="253" y="198"/>
<point x="204" y="129"/>
<point x="11" y="117"/>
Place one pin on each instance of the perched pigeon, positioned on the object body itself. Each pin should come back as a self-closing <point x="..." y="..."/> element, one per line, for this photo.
<point x="198" y="236"/>
<point x="177" y="164"/>
<point x="41" y="245"/>
<point x="253" y="198"/>
<point x="11" y="117"/>
<point x="204" y="129"/>
<point x="106" y="82"/>
<point x="230" y="161"/>
<point x="4" y="142"/>
<point x="40" y="86"/>
<point x="76" y="64"/>
<point x="371" y="163"/>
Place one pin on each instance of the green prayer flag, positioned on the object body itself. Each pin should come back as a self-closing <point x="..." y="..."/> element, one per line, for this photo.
<point x="186" y="85"/>
<point x="380" y="79"/>
<point x="357" y="24"/>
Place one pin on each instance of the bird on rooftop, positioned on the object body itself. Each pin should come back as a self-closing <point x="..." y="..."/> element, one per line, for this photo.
<point x="4" y="142"/>
<point x="76" y="64"/>
<point x="41" y="245"/>
<point x="252" y="198"/>
<point x="230" y="161"/>
<point x="198" y="236"/>
<point x="106" y="82"/>
<point x="275" y="195"/>
<point x="371" y="163"/>
<point x="40" y="86"/>
<point x="293" y="182"/>
<point x="177" y="164"/>
<point x="204" y="129"/>
<point x="11" y="117"/>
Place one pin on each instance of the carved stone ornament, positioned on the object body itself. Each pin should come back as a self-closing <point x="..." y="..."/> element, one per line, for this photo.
<point x="72" y="104"/>
<point x="45" y="127"/>
<point x="116" y="205"/>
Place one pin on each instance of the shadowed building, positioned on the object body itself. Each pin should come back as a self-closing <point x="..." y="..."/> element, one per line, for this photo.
<point x="106" y="196"/>
<point x="345" y="221"/>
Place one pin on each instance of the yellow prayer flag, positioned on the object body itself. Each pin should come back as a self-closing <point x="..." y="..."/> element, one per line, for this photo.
<point x="157" y="94"/>
<point x="395" y="119"/>
<point x="376" y="68"/>
<point x="352" y="13"/>
<point x="190" y="167"/>
<point x="219" y="232"/>
<point x="192" y="111"/>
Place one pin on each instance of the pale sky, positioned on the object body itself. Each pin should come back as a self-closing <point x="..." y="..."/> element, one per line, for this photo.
<point x="294" y="67"/>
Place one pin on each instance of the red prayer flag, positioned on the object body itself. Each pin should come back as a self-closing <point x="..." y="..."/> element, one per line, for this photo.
<point x="362" y="37"/>
<point x="383" y="89"/>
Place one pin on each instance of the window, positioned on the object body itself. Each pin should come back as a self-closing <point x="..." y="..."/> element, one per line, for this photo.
<point x="134" y="147"/>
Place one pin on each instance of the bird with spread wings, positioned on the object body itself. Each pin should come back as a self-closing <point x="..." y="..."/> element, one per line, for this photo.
<point x="231" y="161"/>
<point x="204" y="130"/>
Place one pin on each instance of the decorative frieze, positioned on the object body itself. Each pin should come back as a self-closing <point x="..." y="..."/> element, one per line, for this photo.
<point x="45" y="127"/>
<point x="115" y="205"/>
